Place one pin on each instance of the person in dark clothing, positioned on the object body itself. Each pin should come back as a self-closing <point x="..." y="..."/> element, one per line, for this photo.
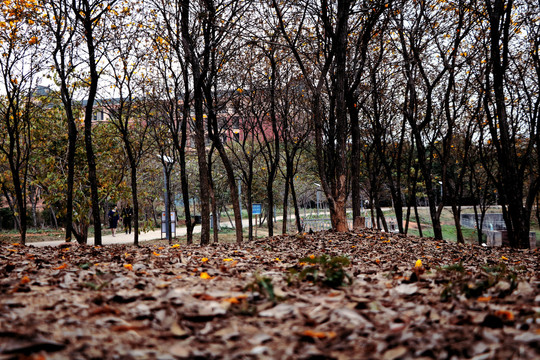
<point x="114" y="216"/>
<point x="127" y="214"/>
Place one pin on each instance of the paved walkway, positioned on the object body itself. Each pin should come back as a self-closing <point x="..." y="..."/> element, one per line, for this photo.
<point x="123" y="238"/>
<point x="120" y="238"/>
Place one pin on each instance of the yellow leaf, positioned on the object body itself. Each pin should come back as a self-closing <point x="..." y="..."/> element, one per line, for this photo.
<point x="418" y="263"/>
<point x="504" y="257"/>
<point x="156" y="254"/>
<point x="204" y="259"/>
<point x="227" y="259"/>
<point x="175" y="246"/>
<point x="25" y="280"/>
<point x="205" y="276"/>
<point x="128" y="266"/>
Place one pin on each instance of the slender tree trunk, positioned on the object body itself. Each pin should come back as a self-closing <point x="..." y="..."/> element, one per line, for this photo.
<point x="88" y="23"/>
<point x="296" y="209"/>
<point x="249" y="194"/>
<point x="135" y="200"/>
<point x="380" y="214"/>
<point x="233" y="190"/>
<point x="33" y="201"/>
<point x="12" y="208"/>
<point x="72" y="140"/>
<point x="418" y="220"/>
<point x="285" y="203"/>
<point x="456" y="211"/>
<point x="20" y="201"/>
<point x="183" y="170"/>
<point x="213" y="201"/>
<point x="53" y="216"/>
<point x="355" y="165"/>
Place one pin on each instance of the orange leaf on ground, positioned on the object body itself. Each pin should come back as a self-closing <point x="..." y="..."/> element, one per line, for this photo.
<point x="156" y="254"/>
<point x="205" y="297"/>
<point x="484" y="298"/>
<point x="204" y="259"/>
<point x="319" y="334"/>
<point x="63" y="266"/>
<point x="128" y="266"/>
<point x="25" y="280"/>
<point x="505" y="315"/>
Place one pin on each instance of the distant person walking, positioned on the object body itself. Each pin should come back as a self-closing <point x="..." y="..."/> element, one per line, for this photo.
<point x="127" y="214"/>
<point x="114" y="216"/>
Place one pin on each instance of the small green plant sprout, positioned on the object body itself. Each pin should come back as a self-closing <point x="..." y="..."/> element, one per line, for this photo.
<point x="498" y="280"/>
<point x="324" y="270"/>
<point x="263" y="285"/>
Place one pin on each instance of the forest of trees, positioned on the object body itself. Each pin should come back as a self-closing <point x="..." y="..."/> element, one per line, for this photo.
<point x="393" y="101"/>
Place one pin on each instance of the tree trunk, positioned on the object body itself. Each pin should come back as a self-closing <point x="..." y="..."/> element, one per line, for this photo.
<point x="53" y="216"/>
<point x="135" y="200"/>
<point x="33" y="201"/>
<point x="296" y="209"/>
<point x="204" y="181"/>
<point x="285" y="203"/>
<point x="249" y="192"/>
<point x="338" y="215"/>
<point x="88" y="23"/>
<point x="456" y="211"/>
<point x="418" y="220"/>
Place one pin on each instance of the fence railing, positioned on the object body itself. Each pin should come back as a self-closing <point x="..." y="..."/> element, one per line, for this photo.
<point x="326" y="224"/>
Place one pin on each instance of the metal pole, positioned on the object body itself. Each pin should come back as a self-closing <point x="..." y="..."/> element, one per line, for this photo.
<point x="317" y="203"/>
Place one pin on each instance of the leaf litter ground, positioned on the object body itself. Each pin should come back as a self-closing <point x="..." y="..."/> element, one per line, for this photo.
<point x="408" y="298"/>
